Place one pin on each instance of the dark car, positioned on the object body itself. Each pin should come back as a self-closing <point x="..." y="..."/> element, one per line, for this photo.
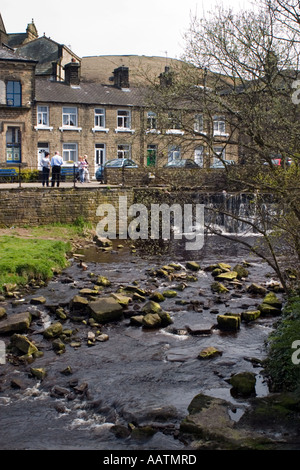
<point x="185" y="163"/>
<point x="116" y="163"/>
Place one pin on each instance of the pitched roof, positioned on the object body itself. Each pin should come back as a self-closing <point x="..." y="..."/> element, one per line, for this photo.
<point x="6" y="54"/>
<point x="87" y="93"/>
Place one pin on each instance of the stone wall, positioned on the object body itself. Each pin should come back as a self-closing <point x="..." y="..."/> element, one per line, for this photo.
<point x="206" y="180"/>
<point x="40" y="206"/>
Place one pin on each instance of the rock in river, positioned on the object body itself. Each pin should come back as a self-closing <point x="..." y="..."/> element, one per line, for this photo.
<point x="16" y="322"/>
<point x="106" y="309"/>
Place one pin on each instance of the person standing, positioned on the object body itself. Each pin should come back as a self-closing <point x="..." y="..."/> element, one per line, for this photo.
<point x="45" y="163"/>
<point x="86" y="172"/>
<point x="56" y="163"/>
<point x="81" y="168"/>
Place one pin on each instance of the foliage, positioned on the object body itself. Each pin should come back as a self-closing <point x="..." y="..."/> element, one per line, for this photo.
<point x="284" y="374"/>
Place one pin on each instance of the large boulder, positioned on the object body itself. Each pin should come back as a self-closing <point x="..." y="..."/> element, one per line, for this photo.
<point x="271" y="305"/>
<point x="17" y="322"/>
<point x="105" y="310"/>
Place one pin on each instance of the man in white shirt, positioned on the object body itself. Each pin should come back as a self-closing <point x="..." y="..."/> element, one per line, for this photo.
<point x="56" y="163"/>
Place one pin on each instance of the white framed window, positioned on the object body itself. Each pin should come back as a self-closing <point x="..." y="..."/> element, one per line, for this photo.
<point x="174" y="153"/>
<point x="199" y="155"/>
<point x="219" y="125"/>
<point x="99" y="117"/>
<point x="70" y="119"/>
<point x="124" y="151"/>
<point x="42" y="118"/>
<point x="198" y="123"/>
<point x="123" y="121"/>
<point x="70" y="153"/>
<point x="151" y="120"/>
<point x="99" y="120"/>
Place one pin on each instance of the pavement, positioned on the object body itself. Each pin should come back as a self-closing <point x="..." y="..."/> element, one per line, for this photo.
<point x="68" y="184"/>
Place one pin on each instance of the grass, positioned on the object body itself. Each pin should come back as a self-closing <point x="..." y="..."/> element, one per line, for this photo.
<point x="24" y="259"/>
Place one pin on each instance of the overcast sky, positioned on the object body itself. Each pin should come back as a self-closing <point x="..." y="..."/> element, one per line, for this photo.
<point x="116" y="27"/>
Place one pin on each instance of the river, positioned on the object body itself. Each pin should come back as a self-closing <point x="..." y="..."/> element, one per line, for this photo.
<point x="138" y="376"/>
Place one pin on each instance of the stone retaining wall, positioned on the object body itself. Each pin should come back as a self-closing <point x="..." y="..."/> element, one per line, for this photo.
<point x="40" y="206"/>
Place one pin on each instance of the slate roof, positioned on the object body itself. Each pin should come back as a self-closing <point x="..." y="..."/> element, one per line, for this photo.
<point x="6" y="54"/>
<point x="87" y="93"/>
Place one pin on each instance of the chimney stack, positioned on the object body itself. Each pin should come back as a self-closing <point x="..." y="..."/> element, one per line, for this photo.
<point x="72" y="73"/>
<point x="121" y="77"/>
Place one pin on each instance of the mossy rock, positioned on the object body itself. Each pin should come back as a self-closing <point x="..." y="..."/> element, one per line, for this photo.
<point x="53" y="331"/>
<point x="23" y="344"/>
<point x="256" y="289"/>
<point x="151" y="307"/>
<point x="58" y="346"/>
<point x="219" y="288"/>
<point x="38" y="372"/>
<point x="2" y="313"/>
<point x="243" y="384"/>
<point x="79" y="304"/>
<point x="165" y="318"/>
<point x="249" y="316"/>
<point x="241" y="271"/>
<point x="151" y="320"/>
<point x="193" y="266"/>
<point x="227" y="276"/>
<point x="170" y="293"/>
<point x="157" y="297"/>
<point x="209" y="353"/>
<point x="224" y="266"/>
<point x="272" y="299"/>
<point x="229" y="322"/>
<point x="103" y="281"/>
<point x="267" y="309"/>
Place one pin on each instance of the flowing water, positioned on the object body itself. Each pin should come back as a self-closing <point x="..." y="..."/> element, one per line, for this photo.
<point x="138" y="376"/>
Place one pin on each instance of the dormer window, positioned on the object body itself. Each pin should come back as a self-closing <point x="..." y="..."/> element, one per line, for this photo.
<point x="13" y="93"/>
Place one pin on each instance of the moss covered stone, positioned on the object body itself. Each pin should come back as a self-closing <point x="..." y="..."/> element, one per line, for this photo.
<point x="249" y="316"/>
<point x="193" y="266"/>
<point x="229" y="322"/>
<point x="151" y="307"/>
<point x="209" y="353"/>
<point x="243" y="384"/>
<point x="219" y="288"/>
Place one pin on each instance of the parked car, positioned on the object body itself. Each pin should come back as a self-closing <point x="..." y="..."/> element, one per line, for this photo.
<point x="184" y="163"/>
<point x="222" y="164"/>
<point x="116" y="163"/>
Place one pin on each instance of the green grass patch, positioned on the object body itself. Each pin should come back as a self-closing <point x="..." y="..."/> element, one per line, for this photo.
<point x="22" y="260"/>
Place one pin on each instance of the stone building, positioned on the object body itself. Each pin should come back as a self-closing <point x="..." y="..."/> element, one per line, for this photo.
<point x="45" y="105"/>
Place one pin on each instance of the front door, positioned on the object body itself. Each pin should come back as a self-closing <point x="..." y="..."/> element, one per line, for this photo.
<point x="42" y="148"/>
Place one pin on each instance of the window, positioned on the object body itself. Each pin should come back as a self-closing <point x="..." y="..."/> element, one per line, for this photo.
<point x="151" y="120"/>
<point x="151" y="155"/>
<point x="198" y="123"/>
<point x="43" y="116"/>
<point x="123" y="151"/>
<point x="99" y="117"/>
<point x="69" y="117"/>
<point x="70" y="153"/>
<point x="99" y="154"/>
<point x="123" y="119"/>
<point x="13" y="93"/>
<point x="174" y="120"/>
<point x="219" y="153"/>
<point x="174" y="153"/>
<point x="219" y="125"/>
<point x="13" y="145"/>
<point x="199" y="154"/>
